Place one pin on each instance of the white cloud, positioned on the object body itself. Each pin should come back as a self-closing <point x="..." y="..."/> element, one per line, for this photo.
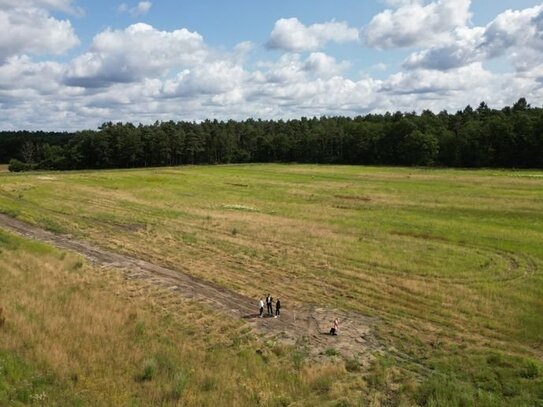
<point x="20" y="73"/>
<point x="287" y="70"/>
<point x="413" y="23"/>
<point x="140" y="9"/>
<point x="464" y="49"/>
<point x="34" y="31"/>
<point x="32" y="95"/>
<point x="142" y="74"/>
<point x="143" y="7"/>
<point x="518" y="32"/>
<point x="140" y="51"/>
<point x="379" y="67"/>
<point x="244" y="48"/>
<point x="336" y="95"/>
<point x="212" y="78"/>
<point x="291" y="68"/>
<point x="515" y="34"/>
<point x="225" y="89"/>
<point x="291" y="35"/>
<point x="323" y="65"/>
<point x="468" y="78"/>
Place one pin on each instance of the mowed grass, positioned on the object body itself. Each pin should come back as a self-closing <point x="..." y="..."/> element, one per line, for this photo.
<point x="449" y="261"/>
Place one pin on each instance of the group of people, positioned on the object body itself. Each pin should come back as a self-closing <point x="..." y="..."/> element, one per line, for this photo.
<point x="269" y="306"/>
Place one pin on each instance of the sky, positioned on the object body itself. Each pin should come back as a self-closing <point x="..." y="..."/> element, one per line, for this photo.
<point x="75" y="64"/>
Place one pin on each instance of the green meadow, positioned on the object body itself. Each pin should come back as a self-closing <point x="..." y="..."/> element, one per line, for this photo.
<point x="448" y="262"/>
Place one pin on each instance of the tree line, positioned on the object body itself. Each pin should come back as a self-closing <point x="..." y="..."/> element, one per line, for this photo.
<point x="482" y="137"/>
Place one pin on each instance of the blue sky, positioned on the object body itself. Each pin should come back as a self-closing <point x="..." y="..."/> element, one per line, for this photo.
<point x="73" y="64"/>
<point x="227" y="23"/>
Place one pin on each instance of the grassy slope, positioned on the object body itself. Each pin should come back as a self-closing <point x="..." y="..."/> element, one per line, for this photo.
<point x="450" y="261"/>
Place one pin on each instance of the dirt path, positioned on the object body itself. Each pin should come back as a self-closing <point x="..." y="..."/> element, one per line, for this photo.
<point x="296" y="326"/>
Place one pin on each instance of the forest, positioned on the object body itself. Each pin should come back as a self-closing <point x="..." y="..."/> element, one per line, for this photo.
<point x="511" y="137"/>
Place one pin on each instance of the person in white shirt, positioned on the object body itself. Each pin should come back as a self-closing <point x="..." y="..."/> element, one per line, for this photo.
<point x="335" y="329"/>
<point x="261" y="308"/>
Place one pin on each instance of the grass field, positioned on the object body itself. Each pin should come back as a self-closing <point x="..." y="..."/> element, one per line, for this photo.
<point x="448" y="261"/>
<point x="77" y="336"/>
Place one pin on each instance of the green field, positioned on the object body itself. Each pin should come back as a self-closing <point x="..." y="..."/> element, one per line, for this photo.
<point x="448" y="261"/>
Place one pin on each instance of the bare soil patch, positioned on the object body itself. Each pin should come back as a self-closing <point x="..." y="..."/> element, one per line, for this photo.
<point x="424" y="236"/>
<point x="307" y="326"/>
<point x="354" y="198"/>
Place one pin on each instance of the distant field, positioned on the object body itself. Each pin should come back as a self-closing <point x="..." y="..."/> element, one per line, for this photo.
<point x="449" y="261"/>
<point x="3" y="167"/>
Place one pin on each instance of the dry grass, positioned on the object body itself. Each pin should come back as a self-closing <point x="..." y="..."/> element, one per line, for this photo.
<point x="101" y="339"/>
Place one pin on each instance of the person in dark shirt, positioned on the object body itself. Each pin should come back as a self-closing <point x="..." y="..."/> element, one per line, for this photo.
<point x="277" y="308"/>
<point x="269" y="302"/>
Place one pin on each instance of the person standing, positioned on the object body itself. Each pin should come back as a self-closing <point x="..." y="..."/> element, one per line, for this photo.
<point x="269" y="302"/>
<point x="277" y="308"/>
<point x="335" y="329"/>
<point x="261" y="304"/>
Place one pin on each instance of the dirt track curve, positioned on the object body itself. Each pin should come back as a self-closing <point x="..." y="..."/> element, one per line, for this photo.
<point x="297" y="326"/>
